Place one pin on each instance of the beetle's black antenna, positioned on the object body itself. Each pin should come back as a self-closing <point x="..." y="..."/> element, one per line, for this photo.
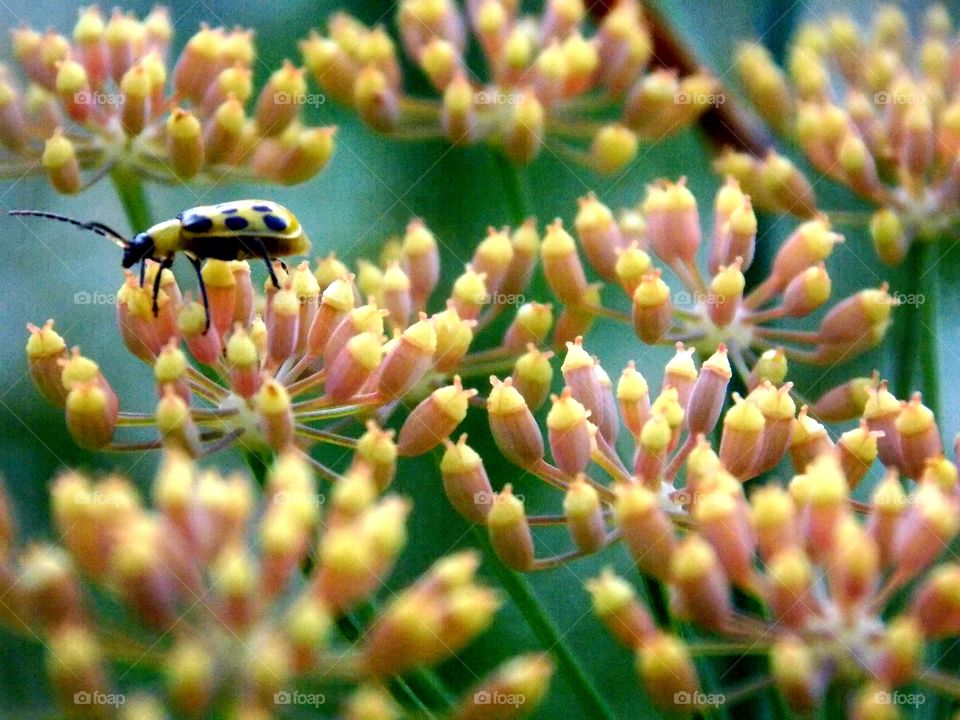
<point x="96" y="227"/>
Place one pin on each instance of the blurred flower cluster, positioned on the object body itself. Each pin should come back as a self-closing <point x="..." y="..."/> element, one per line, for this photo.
<point x="239" y="599"/>
<point x="871" y="109"/>
<point x="548" y="80"/>
<point x="101" y="101"/>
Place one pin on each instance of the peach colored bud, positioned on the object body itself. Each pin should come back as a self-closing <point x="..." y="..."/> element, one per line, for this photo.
<point x="708" y="393"/>
<point x="91" y="415"/>
<point x="469" y="295"/>
<point x="377" y="451"/>
<point x="13" y="124"/>
<point x="936" y="603"/>
<point x="926" y="527"/>
<point x="881" y="411"/>
<point x="336" y="301"/>
<point x="890" y="241"/>
<point x="465" y="481"/>
<point x="513" y="426"/>
<point x="741" y="442"/>
<point x="774" y="519"/>
<point x="652" y="309"/>
<point x="680" y="373"/>
<point x="243" y="292"/>
<point x="652" y="445"/>
<point x="280" y="100"/>
<point x="568" y="433"/>
<point x="510" y="531"/>
<point x="673" y="225"/>
<point x="821" y="493"/>
<point x="408" y="361"/>
<point x="221" y="294"/>
<point x="184" y="143"/>
<point x="531" y="324"/>
<point x="726" y="293"/>
<point x="613" y="149"/>
<point x="525" y="676"/>
<point x="584" y="514"/>
<point x="434" y="419"/>
<point x="283" y="322"/>
<point x="353" y="366"/>
<point x="808" y="245"/>
<point x="778" y="410"/>
<point x="88" y="38"/>
<point x="844" y="402"/>
<point x="615" y="602"/>
<point x="888" y="503"/>
<point x="136" y="86"/>
<point x="579" y="375"/>
<point x="189" y="671"/>
<point x="307" y="291"/>
<point x="919" y="436"/>
<point x="790" y="580"/>
<point x="454" y="336"/>
<point x="631" y="265"/>
<point x="699" y="580"/>
<point x="857" y="450"/>
<point x="902" y="646"/>
<point x="492" y="258"/>
<point x="421" y="261"/>
<point x="647" y="531"/>
<point x="328" y="269"/>
<point x="847" y="320"/>
<point x="375" y="100"/>
<point x="772" y="366"/>
<point x="198" y="64"/>
<point x="854" y="570"/>
<point x="396" y="295"/>
<point x="532" y="376"/>
<point x="175" y="424"/>
<point x="49" y="588"/>
<point x="599" y="235"/>
<point x="633" y="398"/>
<point x="562" y="266"/>
<point x="366" y="318"/>
<point x="577" y="319"/>
<point x="786" y="186"/>
<point x="75" y="667"/>
<point x="942" y="472"/>
<point x="204" y="345"/>
<point x="767" y="86"/>
<point x="73" y="89"/>
<point x="59" y="159"/>
<point x="794" y="670"/>
<point x="223" y="131"/>
<point x="524" y="132"/>
<point x="45" y="348"/>
<point x="808" y="440"/>
<point x="526" y="248"/>
<point x="725" y="524"/>
<point x="276" y="414"/>
<point x="667" y="672"/>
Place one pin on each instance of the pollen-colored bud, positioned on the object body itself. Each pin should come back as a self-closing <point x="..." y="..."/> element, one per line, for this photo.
<point x="857" y="451"/>
<point x="492" y="258"/>
<point x="283" y="324"/>
<point x="936" y="603"/>
<point x="599" y="235"/>
<point x="516" y="688"/>
<point x="652" y="445"/>
<point x="434" y="419"/>
<point x="465" y="480"/>
<point x="631" y="265"/>
<point x="724" y="522"/>
<point x="652" y="309"/>
<point x="175" y="424"/>
<point x="408" y="361"/>
<point x="421" y="261"/>
<point x="844" y="402"/>
<point x="821" y="493"/>
<point x="790" y="580"/>
<point x="673" y="225"/>
<point x="666" y="669"/>
<point x="847" y="321"/>
<point x="336" y="301"/>
<point x="524" y="132"/>
<point x="223" y="132"/>
<point x="854" y="570"/>
<point x="189" y="671"/>
<point x="184" y="143"/>
<point x="469" y="295"/>
<point x="919" y="437"/>
<point x="809" y="440"/>
<point x="221" y="285"/>
<point x="294" y="156"/>
<point x="741" y="444"/>
<point x="276" y="414"/>
<point x="454" y="336"/>
<point x="778" y="410"/>
<point x="808" y="245"/>
<point x="510" y="532"/>
<point x="765" y="84"/>
<point x="579" y="375"/>
<point x="771" y="366"/>
<point x="633" y="398"/>
<point x="698" y="577"/>
<point x="73" y="88"/>
<point x="889" y="238"/>
<point x="376" y="100"/>
<point x="615" y="602"/>
<point x="568" y="433"/>
<point x="794" y="670"/>
<point x="561" y="265"/>
<point x="584" y="514"/>
<point x="613" y="148"/>
<point x="532" y="376"/>
<point x="45" y="348"/>
<point x="59" y="159"/>
<point x="91" y="415"/>
<point x="928" y="524"/>
<point x="787" y="187"/>
<point x="646" y="529"/>
<point x="531" y="324"/>
<point x="726" y="293"/>
<point x="881" y="411"/>
<point x="526" y="248"/>
<point x="708" y="393"/>
<point x="280" y="100"/>
<point x="577" y="319"/>
<point x="513" y="426"/>
<point x="774" y="520"/>
<point x="353" y="366"/>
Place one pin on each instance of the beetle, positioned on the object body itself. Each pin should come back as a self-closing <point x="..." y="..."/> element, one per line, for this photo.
<point x="226" y="231"/>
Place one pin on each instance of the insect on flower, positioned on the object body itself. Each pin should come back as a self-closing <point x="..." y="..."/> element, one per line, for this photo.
<point x="228" y="231"/>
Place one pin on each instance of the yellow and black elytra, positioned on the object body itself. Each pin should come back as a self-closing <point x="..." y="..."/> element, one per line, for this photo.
<point x="227" y="231"/>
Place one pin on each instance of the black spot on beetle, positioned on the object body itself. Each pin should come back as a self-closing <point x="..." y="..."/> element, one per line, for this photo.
<point x="230" y="210"/>
<point x="235" y="222"/>
<point x="275" y="223"/>
<point x="262" y="208"/>
<point x="197" y="223"/>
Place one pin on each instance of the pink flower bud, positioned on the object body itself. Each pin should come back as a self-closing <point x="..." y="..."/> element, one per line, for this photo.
<point x="742" y="438"/>
<point x="584" y="514"/>
<point x="615" y="603"/>
<point x="919" y="436"/>
<point x="673" y="225"/>
<point x="646" y="530"/>
<point x="701" y="585"/>
<point x="568" y="432"/>
<point x="407" y="363"/>
<point x="599" y="235"/>
<point x="532" y="376"/>
<point x="652" y="309"/>
<point x="92" y="413"/>
<point x="774" y="520"/>
<point x="561" y="265"/>
<point x="927" y="526"/>
<point x="276" y="414"/>
<point x="421" y="261"/>
<point x="45" y="348"/>
<point x="881" y="411"/>
<point x="513" y="426"/>
<point x="726" y="526"/>
<point x="353" y="366"/>
<point x="465" y="481"/>
<point x="434" y="419"/>
<point x="667" y="672"/>
<point x="708" y="393"/>
<point x="790" y="581"/>
<point x="531" y="324"/>
<point x="510" y="531"/>
<point x="808" y="440"/>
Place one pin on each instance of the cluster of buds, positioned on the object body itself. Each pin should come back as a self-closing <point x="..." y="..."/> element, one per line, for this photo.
<point x="841" y="605"/>
<point x="870" y="110"/>
<point x="238" y="594"/>
<point x="100" y="101"/>
<point x="715" y="310"/>
<point x="547" y="79"/>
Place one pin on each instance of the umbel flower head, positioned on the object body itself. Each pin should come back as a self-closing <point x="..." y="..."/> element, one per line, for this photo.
<point x="233" y="595"/>
<point x="110" y="97"/>
<point x="546" y="82"/>
<point x="871" y="109"/>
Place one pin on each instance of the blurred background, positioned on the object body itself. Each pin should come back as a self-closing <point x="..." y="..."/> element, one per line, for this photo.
<point x="371" y="189"/>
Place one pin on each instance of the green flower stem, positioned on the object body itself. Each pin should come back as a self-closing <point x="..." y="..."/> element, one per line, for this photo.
<point x="513" y="188"/>
<point x="917" y="338"/>
<point x="517" y="586"/>
<point x="132" y="196"/>
<point x="930" y="350"/>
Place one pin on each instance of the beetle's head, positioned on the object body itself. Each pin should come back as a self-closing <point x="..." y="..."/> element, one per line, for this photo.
<point x="138" y="249"/>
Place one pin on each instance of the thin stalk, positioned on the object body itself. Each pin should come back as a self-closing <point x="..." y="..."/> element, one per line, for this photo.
<point x="132" y="196"/>
<point x="930" y="350"/>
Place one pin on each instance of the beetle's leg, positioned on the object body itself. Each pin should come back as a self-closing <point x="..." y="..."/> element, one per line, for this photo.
<point x="284" y="265"/>
<point x="164" y="264"/>
<point x="266" y="258"/>
<point x="203" y="289"/>
<point x="143" y="271"/>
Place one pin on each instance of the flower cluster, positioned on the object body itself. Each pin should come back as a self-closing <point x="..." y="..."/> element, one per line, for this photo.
<point x="100" y="101"/>
<point x="872" y="111"/>
<point x="241" y="599"/>
<point x="547" y="79"/>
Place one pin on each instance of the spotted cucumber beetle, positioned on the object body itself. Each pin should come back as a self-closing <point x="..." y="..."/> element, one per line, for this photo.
<point x="227" y="231"/>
